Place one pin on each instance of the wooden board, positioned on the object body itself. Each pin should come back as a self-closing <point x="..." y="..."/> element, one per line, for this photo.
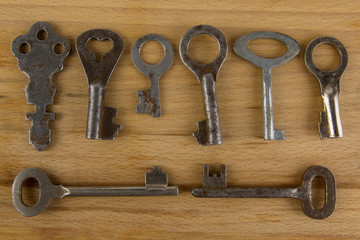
<point x="144" y="141"/>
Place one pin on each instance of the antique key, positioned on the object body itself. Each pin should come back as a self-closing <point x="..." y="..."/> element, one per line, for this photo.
<point x="241" y="48"/>
<point x="330" y="122"/>
<point x="156" y="184"/>
<point x="215" y="187"/>
<point x="209" y="132"/>
<point x="100" y="118"/>
<point x="149" y="100"/>
<point x="40" y="55"/>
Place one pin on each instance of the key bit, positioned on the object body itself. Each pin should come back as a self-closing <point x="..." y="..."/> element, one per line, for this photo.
<point x="149" y="100"/>
<point x="241" y="48"/>
<point x="215" y="187"/>
<point x="40" y="55"/>
<point x="330" y="122"/>
<point x="100" y="118"/>
<point x="156" y="184"/>
<point x="209" y="132"/>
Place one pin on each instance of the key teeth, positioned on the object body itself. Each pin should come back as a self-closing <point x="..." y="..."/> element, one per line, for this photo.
<point x="40" y="133"/>
<point x="147" y="104"/>
<point x="108" y="128"/>
<point x="214" y="181"/>
<point x="279" y="134"/>
<point x="156" y="178"/>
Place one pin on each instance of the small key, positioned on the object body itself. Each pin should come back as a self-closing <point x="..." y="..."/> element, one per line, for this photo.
<point x="156" y="184"/>
<point x="209" y="132"/>
<point x="215" y="187"/>
<point x="100" y="118"/>
<point x="241" y="48"/>
<point x="149" y="100"/>
<point x="40" y="55"/>
<point x="330" y="122"/>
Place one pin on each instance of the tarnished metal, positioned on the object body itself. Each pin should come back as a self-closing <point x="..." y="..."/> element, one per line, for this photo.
<point x="241" y="48"/>
<point x="100" y="118"/>
<point x="330" y="122"/>
<point x="40" y="61"/>
<point x="149" y="100"/>
<point x="156" y="184"/>
<point x="209" y="132"/>
<point x="215" y="187"/>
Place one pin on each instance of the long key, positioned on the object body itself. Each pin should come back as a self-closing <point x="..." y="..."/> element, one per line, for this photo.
<point x="40" y="55"/>
<point x="241" y="48"/>
<point x="330" y="122"/>
<point x="100" y="118"/>
<point x="209" y="132"/>
<point x="149" y="100"/>
<point x="156" y="184"/>
<point x="215" y="187"/>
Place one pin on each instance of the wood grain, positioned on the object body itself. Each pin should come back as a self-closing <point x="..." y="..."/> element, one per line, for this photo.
<point x="166" y="141"/>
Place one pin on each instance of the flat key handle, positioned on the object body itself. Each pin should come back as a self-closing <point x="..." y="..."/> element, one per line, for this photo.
<point x="150" y="99"/>
<point x="306" y="192"/>
<point x="241" y="48"/>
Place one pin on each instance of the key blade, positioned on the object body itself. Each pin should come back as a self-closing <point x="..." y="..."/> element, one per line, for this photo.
<point x="156" y="178"/>
<point x="148" y="103"/>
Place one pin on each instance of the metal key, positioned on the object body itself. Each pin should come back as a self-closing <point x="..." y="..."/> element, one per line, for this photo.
<point x="100" y="118"/>
<point x="209" y="132"/>
<point x="149" y="100"/>
<point x="241" y="48"/>
<point x="330" y="122"/>
<point x="40" y="55"/>
<point x="156" y="184"/>
<point x="215" y="187"/>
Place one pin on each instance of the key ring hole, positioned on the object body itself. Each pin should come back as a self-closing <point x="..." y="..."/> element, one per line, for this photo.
<point x="318" y="193"/>
<point x="42" y="35"/>
<point x="30" y="192"/>
<point x="326" y="57"/>
<point x="267" y="48"/>
<point x="202" y="48"/>
<point x="59" y="48"/>
<point x="24" y="48"/>
<point x="152" y="52"/>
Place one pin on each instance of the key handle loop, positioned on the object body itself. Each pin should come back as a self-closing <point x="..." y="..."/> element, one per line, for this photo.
<point x="152" y="69"/>
<point x="241" y="48"/>
<point x="47" y="191"/>
<point x="201" y="69"/>
<point x="104" y="68"/>
<point x="330" y="192"/>
<point x="326" y="77"/>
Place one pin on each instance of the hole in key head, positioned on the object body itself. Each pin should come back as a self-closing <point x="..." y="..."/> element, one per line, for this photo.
<point x="203" y="48"/>
<point x="59" y="48"/>
<point x="24" y="48"/>
<point x="267" y="48"/>
<point x="152" y="52"/>
<point x="100" y="48"/>
<point x="30" y="192"/>
<point x="42" y="35"/>
<point x="318" y="186"/>
<point x="326" y="57"/>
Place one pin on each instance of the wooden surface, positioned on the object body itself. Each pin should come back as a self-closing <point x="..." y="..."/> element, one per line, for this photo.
<point x="144" y="141"/>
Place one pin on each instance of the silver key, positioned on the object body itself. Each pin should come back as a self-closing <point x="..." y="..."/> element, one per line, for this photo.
<point x="100" y="118"/>
<point x="215" y="187"/>
<point x="149" y="100"/>
<point x="241" y="49"/>
<point x="40" y="62"/>
<point x="156" y="184"/>
<point x="209" y="132"/>
<point x="330" y="122"/>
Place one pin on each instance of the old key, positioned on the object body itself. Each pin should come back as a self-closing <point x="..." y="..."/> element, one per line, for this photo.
<point x="330" y="122"/>
<point x="241" y="48"/>
<point x="216" y="187"/>
<point x="40" y="55"/>
<point x="156" y="184"/>
<point x="149" y="100"/>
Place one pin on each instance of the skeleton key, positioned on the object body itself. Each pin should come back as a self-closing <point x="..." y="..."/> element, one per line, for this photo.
<point x="209" y="132"/>
<point x="330" y="122"/>
<point x="100" y="118"/>
<point x="215" y="187"/>
<point x="156" y="184"/>
<point x="149" y="100"/>
<point x="40" y="55"/>
<point x="241" y="48"/>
